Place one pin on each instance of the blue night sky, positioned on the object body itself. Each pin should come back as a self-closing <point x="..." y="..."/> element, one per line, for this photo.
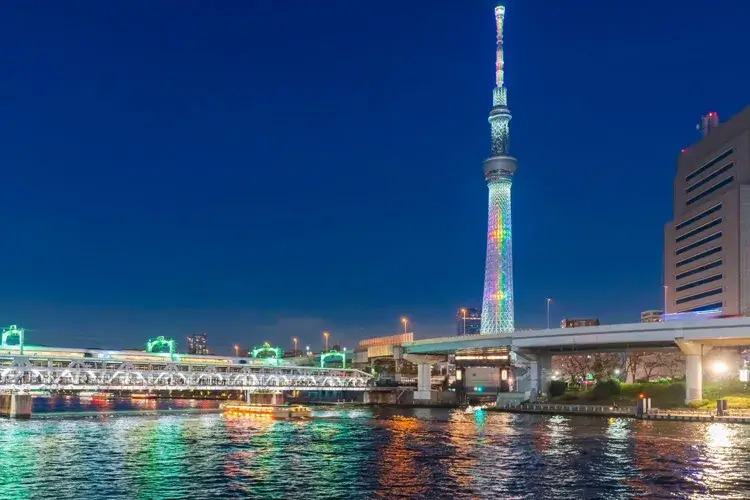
<point x="263" y="169"/>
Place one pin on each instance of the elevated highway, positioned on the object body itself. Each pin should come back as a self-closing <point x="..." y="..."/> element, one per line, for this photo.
<point x="535" y="348"/>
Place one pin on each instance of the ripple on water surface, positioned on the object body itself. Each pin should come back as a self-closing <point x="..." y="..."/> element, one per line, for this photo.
<point x="358" y="453"/>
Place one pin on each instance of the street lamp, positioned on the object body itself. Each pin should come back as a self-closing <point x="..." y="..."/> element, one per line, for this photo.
<point x="665" y="298"/>
<point x="463" y="311"/>
<point x="405" y="321"/>
<point x="236" y="350"/>
<point x="294" y="339"/>
<point x="548" y="301"/>
<point x="325" y="334"/>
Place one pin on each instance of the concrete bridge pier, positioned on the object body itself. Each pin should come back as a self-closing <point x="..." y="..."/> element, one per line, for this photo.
<point x="15" y="405"/>
<point x="424" y="364"/>
<point x="693" y="352"/>
<point x="533" y="374"/>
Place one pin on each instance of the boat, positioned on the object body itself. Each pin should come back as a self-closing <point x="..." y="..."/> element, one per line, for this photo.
<point x="281" y="411"/>
<point x="142" y="395"/>
<point x="99" y="396"/>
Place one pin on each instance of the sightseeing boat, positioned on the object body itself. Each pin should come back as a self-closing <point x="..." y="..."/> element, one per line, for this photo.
<point x="96" y="396"/>
<point x="272" y="411"/>
<point x="142" y="395"/>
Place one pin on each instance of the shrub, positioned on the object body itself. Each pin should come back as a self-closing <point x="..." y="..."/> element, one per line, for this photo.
<point x="606" y="389"/>
<point x="557" y="388"/>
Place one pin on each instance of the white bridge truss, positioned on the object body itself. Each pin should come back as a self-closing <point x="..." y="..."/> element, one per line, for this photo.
<point x="22" y="373"/>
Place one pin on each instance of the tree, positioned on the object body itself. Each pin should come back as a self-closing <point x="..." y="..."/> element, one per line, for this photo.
<point x="603" y="365"/>
<point x="652" y="362"/>
<point x="575" y="368"/>
<point x="674" y="362"/>
<point x="634" y="361"/>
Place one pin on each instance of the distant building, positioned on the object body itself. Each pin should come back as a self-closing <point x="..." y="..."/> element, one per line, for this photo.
<point x="197" y="343"/>
<point x="468" y="321"/>
<point x="652" y="316"/>
<point x="576" y="323"/>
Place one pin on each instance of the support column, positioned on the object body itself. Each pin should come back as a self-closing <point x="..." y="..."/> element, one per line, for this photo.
<point x="533" y="374"/>
<point x="693" y="377"/>
<point x="15" y="405"/>
<point x="424" y="364"/>
<point x="693" y="368"/>
<point x="424" y="377"/>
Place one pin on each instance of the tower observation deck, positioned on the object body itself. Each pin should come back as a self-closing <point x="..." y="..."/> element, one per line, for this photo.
<point x="499" y="168"/>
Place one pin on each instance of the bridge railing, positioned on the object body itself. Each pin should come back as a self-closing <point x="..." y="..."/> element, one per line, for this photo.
<point x="22" y="373"/>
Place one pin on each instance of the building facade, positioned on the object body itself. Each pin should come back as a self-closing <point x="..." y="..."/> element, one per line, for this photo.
<point x="707" y="245"/>
<point x="468" y="321"/>
<point x="578" y="322"/>
<point x="652" y="316"/>
<point x="197" y="344"/>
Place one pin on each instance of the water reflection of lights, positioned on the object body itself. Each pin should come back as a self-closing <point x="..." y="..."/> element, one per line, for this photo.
<point x="718" y="435"/>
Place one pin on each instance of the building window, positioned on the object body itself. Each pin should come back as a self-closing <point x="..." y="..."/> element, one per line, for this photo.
<point x="699" y="256"/>
<point x="699" y="269"/>
<point x="710" y="190"/>
<point x="710" y="164"/>
<point x="713" y="175"/>
<point x="698" y="229"/>
<point x="698" y="217"/>
<point x="707" y="307"/>
<point x="698" y="243"/>
<point x="702" y="295"/>
<point x="702" y="281"/>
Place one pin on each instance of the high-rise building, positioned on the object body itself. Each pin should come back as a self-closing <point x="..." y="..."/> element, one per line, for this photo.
<point x="468" y="321"/>
<point x="707" y="245"/>
<point x="652" y="316"/>
<point x="497" y="301"/>
<point x="197" y="343"/>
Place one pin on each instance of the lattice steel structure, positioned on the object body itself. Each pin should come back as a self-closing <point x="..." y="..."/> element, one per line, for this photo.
<point x="497" y="303"/>
<point x="23" y="373"/>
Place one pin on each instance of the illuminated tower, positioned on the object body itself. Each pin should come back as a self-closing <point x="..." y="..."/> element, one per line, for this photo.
<point x="497" y="304"/>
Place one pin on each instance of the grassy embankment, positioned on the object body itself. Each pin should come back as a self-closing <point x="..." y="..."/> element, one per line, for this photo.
<point x="664" y="396"/>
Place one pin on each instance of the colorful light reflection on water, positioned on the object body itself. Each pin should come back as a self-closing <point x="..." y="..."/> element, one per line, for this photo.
<point x="363" y="453"/>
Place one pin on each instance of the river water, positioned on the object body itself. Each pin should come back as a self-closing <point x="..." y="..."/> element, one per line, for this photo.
<point x="362" y="453"/>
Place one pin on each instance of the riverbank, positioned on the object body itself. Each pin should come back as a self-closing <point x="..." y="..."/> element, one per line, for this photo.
<point x="663" y="395"/>
<point x="685" y="415"/>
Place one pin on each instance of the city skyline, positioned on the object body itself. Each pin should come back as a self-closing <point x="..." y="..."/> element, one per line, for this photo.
<point x="147" y="205"/>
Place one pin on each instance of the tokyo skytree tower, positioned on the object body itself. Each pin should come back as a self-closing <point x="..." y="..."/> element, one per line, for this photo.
<point x="497" y="303"/>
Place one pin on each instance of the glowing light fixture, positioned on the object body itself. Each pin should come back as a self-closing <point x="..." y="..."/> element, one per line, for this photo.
<point x="719" y="367"/>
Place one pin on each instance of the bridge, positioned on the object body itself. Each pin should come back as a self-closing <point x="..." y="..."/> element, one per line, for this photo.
<point x="23" y="373"/>
<point x="27" y="367"/>
<point x="534" y="349"/>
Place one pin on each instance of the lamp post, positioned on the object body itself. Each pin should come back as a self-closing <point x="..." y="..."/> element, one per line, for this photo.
<point x="463" y="311"/>
<point x="405" y="321"/>
<point x="548" y="302"/>
<point x="236" y="350"/>
<point x="294" y="340"/>
<point x="325" y="335"/>
<point x="666" y="288"/>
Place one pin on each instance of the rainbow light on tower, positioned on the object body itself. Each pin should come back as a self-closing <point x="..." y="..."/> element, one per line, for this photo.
<point x="497" y="303"/>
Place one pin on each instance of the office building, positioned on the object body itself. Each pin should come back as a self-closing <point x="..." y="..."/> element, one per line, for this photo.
<point x="578" y="322"/>
<point x="197" y="344"/>
<point x="468" y="321"/>
<point x="652" y="316"/>
<point x="707" y="245"/>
